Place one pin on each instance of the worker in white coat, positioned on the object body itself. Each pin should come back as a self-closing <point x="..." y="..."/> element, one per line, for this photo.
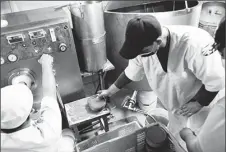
<point x="171" y="58"/>
<point x="22" y="134"/>
<point x="211" y="137"/>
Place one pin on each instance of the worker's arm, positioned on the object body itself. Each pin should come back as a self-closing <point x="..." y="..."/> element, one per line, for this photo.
<point x="115" y="87"/>
<point x="209" y="70"/>
<point x="50" y="124"/>
<point x="122" y="80"/>
<point x="48" y="79"/>
<point x="211" y="137"/>
<point x="133" y="72"/>
<point x="204" y="97"/>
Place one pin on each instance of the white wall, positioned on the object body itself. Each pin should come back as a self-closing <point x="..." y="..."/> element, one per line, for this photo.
<point x="16" y="6"/>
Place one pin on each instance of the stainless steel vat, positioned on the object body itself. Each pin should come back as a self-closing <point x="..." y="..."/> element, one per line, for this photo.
<point x="117" y="14"/>
<point x="89" y="32"/>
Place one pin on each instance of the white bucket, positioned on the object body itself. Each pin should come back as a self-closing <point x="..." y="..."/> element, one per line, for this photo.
<point x="147" y="100"/>
<point x="159" y="114"/>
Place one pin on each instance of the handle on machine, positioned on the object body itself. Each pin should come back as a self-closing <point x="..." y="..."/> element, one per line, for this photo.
<point x="60" y="102"/>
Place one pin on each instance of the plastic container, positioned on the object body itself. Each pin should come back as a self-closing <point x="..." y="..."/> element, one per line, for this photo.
<point x="135" y="142"/>
<point x="147" y="100"/>
<point x="159" y="114"/>
<point x="102" y="138"/>
<point x="155" y="137"/>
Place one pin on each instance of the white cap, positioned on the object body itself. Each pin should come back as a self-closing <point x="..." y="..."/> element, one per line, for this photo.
<point x="16" y="105"/>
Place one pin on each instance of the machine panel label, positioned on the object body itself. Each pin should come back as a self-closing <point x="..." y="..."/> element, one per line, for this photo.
<point x="12" y="39"/>
<point x="37" y="34"/>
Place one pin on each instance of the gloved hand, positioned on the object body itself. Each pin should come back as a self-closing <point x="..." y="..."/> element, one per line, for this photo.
<point x="103" y="94"/>
<point x="46" y="60"/>
<point x="107" y="93"/>
<point x="189" y="108"/>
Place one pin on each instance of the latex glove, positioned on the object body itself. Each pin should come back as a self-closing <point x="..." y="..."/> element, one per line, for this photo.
<point x="102" y="94"/>
<point x="189" y="109"/>
<point x="46" y="59"/>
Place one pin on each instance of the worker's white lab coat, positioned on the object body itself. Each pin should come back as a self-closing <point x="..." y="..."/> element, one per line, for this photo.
<point x="41" y="136"/>
<point x="212" y="135"/>
<point x="187" y="70"/>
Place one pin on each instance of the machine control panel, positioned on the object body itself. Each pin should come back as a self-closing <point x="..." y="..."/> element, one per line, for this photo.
<point x="33" y="43"/>
<point x="28" y="35"/>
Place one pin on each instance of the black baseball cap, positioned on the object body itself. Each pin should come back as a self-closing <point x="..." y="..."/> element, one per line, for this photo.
<point x="141" y="31"/>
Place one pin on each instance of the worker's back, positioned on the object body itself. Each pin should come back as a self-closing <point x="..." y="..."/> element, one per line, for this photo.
<point x="42" y="135"/>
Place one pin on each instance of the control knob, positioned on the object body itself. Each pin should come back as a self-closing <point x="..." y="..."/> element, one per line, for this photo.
<point x="63" y="47"/>
<point x="12" y="57"/>
<point x="2" y="60"/>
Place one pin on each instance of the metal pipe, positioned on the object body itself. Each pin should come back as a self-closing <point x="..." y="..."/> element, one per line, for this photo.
<point x="173" y="5"/>
<point x="186" y="4"/>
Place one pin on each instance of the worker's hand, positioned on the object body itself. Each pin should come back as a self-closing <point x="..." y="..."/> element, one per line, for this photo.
<point x="208" y="49"/>
<point x="189" y="108"/>
<point x="191" y="140"/>
<point x="46" y="59"/>
<point x="103" y="94"/>
<point x="186" y="134"/>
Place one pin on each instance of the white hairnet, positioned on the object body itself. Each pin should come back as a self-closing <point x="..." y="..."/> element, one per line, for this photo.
<point x="16" y="105"/>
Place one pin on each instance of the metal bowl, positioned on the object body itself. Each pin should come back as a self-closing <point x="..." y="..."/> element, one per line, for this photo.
<point x="95" y="104"/>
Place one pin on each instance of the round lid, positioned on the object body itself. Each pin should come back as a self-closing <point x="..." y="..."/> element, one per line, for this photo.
<point x="95" y="104"/>
<point x="155" y="136"/>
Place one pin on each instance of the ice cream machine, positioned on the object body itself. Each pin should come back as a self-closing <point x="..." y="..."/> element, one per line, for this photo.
<point x="28" y="35"/>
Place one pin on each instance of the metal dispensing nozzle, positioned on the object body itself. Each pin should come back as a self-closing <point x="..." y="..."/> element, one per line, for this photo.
<point x="129" y="103"/>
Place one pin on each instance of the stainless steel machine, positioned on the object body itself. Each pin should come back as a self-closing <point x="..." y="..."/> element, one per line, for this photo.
<point x="90" y="35"/>
<point x="28" y="35"/>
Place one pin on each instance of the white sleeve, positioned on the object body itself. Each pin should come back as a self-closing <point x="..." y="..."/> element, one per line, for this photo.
<point x="51" y="121"/>
<point x="208" y="69"/>
<point x="135" y="71"/>
<point x="212" y="135"/>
